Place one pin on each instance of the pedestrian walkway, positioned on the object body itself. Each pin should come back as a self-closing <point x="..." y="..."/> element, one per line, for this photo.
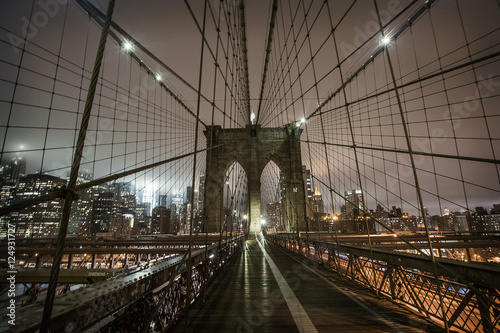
<point x="269" y="289"/>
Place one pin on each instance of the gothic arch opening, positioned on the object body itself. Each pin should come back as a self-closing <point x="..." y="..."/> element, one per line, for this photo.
<point x="235" y="199"/>
<point x="253" y="148"/>
<point x="273" y="198"/>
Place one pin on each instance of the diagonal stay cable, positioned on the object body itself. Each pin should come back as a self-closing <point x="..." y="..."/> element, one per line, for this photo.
<point x="99" y="16"/>
<point x="75" y="167"/>
<point x="407" y="84"/>
<point x="380" y="51"/>
<point x="403" y="151"/>
<point x="266" y="60"/>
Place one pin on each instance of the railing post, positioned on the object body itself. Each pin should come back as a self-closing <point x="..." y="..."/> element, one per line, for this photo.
<point x="484" y="305"/>
<point x="38" y="261"/>
<point x="392" y="283"/>
<point x="332" y="262"/>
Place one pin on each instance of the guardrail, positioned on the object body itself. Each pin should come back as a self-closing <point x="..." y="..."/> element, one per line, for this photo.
<point x="469" y="291"/>
<point x="124" y="303"/>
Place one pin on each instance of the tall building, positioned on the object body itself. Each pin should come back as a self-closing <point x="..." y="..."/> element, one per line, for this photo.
<point x="128" y="202"/>
<point x="6" y="191"/>
<point x="353" y="203"/>
<point x="201" y="194"/>
<point x="161" y="222"/>
<point x="101" y="212"/>
<point x="43" y="219"/>
<point x="282" y="189"/>
<point x="142" y="218"/>
<point x="178" y="200"/>
<point x="317" y="203"/>
<point x="15" y="169"/>
<point x="274" y="216"/>
<point x="119" y="189"/>
<point x="122" y="225"/>
<point x="81" y="208"/>
<point x="6" y="196"/>
<point x="486" y="222"/>
<point x="306" y="174"/>
<point x="307" y="182"/>
<point x="189" y="193"/>
<point x="162" y="200"/>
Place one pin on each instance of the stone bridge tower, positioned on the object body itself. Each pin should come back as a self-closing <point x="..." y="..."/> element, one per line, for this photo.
<point x="253" y="147"/>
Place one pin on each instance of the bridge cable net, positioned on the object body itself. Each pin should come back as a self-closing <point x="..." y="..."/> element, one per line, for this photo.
<point x="354" y="135"/>
<point x="390" y="104"/>
<point x="447" y="91"/>
<point x="140" y="145"/>
<point x="398" y="103"/>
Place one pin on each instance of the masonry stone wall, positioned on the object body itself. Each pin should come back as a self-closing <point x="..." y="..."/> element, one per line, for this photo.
<point x="253" y="147"/>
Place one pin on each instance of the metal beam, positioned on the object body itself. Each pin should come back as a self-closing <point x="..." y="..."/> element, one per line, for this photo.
<point x="483" y="274"/>
<point x="115" y="250"/>
<point x="71" y="276"/>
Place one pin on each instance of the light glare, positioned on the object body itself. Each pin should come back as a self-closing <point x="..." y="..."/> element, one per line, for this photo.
<point x="385" y="40"/>
<point x="302" y="121"/>
<point x="127" y="46"/>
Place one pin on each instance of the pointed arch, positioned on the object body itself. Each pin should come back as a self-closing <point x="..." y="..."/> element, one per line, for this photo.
<point x="273" y="193"/>
<point x="254" y="148"/>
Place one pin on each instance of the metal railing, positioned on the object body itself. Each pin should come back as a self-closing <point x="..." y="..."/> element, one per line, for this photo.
<point x="470" y="291"/>
<point x="124" y="303"/>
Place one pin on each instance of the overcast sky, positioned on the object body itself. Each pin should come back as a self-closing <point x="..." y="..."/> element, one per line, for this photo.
<point x="452" y="114"/>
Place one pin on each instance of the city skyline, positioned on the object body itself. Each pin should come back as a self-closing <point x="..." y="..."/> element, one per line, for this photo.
<point x="136" y="119"/>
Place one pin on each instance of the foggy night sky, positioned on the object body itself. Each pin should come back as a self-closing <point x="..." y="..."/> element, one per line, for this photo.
<point x="167" y="29"/>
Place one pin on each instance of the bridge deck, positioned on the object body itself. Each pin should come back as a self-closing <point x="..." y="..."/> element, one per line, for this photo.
<point x="250" y="298"/>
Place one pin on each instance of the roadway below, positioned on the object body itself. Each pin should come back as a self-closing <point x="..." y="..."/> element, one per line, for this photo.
<point x="269" y="289"/>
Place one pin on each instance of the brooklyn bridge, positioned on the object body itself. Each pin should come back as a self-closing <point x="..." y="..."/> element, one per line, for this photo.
<point x="250" y="166"/>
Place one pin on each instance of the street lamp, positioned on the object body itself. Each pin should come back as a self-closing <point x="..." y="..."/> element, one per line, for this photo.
<point x="301" y="121"/>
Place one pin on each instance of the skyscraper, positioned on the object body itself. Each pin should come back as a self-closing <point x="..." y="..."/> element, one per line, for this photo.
<point x="353" y="203"/>
<point x="161" y="222"/>
<point x="101" y="212"/>
<point x="201" y="193"/>
<point x="81" y="208"/>
<point x="317" y="203"/>
<point x="15" y="169"/>
<point x="162" y="200"/>
<point x="307" y="182"/>
<point x="306" y="174"/>
<point x="43" y="219"/>
<point x="178" y="200"/>
<point x="189" y="193"/>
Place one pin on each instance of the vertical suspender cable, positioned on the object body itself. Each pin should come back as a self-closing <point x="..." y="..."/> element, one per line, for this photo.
<point x="69" y="196"/>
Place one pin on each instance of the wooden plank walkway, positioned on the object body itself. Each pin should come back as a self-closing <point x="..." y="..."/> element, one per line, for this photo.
<point x="269" y="289"/>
